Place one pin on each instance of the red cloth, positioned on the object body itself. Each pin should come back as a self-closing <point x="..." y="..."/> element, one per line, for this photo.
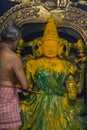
<point x="9" y="108"/>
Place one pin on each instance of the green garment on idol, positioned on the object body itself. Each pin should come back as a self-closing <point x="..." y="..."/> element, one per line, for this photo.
<point x="49" y="109"/>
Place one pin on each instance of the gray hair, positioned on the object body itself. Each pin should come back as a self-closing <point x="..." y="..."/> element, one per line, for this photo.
<point x="10" y="33"/>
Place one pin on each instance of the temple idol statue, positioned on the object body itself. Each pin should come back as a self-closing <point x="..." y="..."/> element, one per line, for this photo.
<point x="51" y="103"/>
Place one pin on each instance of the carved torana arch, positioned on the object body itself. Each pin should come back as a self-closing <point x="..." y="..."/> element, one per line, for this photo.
<point x="32" y="12"/>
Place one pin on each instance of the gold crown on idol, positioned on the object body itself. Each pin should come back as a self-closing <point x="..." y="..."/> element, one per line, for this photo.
<point x="50" y="32"/>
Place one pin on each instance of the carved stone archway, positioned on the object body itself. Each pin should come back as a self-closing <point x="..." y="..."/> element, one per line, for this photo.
<point x="21" y="14"/>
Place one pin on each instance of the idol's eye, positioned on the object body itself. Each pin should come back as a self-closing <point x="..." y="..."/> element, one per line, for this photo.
<point x="47" y="46"/>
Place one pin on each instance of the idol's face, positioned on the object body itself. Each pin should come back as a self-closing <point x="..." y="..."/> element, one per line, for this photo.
<point x="50" y="48"/>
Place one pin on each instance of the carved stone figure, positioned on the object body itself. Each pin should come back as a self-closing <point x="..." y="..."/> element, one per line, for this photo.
<point x="52" y="103"/>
